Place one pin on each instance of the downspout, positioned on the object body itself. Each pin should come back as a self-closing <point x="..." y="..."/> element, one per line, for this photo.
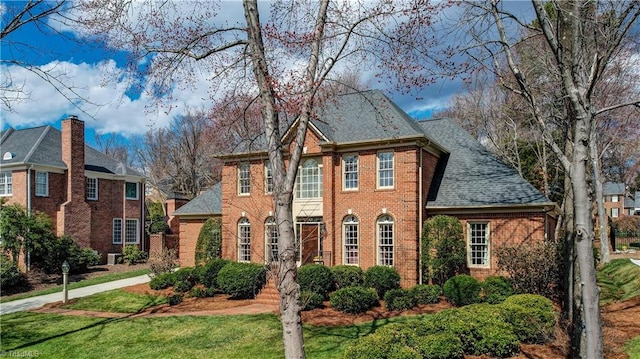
<point x="142" y="214"/>
<point x="29" y="211"/>
<point x="124" y="214"/>
<point x="421" y="210"/>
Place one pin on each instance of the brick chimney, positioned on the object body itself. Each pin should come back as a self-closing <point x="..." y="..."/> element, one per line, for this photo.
<point x="73" y="157"/>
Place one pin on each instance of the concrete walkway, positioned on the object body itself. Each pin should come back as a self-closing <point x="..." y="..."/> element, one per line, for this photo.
<point x="39" y="301"/>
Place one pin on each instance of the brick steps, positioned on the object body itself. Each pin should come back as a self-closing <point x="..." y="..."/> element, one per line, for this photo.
<point x="269" y="294"/>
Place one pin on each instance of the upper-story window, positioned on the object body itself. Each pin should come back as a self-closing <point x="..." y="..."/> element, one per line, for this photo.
<point x="92" y="188"/>
<point x="244" y="179"/>
<point x="244" y="240"/>
<point x="350" y="239"/>
<point x="131" y="190"/>
<point x="350" y="172"/>
<point x="615" y="198"/>
<point x="6" y="184"/>
<point x="385" y="169"/>
<point x="309" y="181"/>
<point x="42" y="184"/>
<point x="268" y="177"/>
<point x="478" y="245"/>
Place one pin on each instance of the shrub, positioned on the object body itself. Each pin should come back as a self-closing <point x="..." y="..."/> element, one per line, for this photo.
<point x="182" y="286"/>
<point x="462" y="290"/>
<point x="241" y="280"/>
<point x="347" y="276"/>
<point x="175" y="299"/>
<point x="208" y="273"/>
<point x="131" y="254"/>
<point x="440" y="346"/>
<point x="310" y="300"/>
<point x="382" y="278"/>
<point x="10" y="275"/>
<point x="209" y="244"/>
<point x="164" y="262"/>
<point x="199" y="292"/>
<point x="162" y="281"/>
<point x="532" y="317"/>
<point x="426" y="293"/>
<point x="533" y="267"/>
<point x="316" y="278"/>
<point x="354" y="299"/>
<point x="399" y="299"/>
<point x="51" y="253"/>
<point x="443" y="249"/>
<point x="496" y="289"/>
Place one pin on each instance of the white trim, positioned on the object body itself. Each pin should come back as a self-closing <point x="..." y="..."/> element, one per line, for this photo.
<point x="393" y="169"/>
<point x="137" y="191"/>
<point x="344" y="172"/>
<point x="487" y="244"/>
<point x="244" y="222"/>
<point x="46" y="184"/>
<point x="113" y="231"/>
<point x="240" y="171"/>
<point x="95" y="198"/>
<point x="137" y="231"/>
<point x="268" y="168"/>
<point x="7" y="180"/>
<point x="391" y="221"/>
<point x="354" y="221"/>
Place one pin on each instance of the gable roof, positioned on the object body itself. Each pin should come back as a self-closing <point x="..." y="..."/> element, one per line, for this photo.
<point x="612" y="188"/>
<point x="208" y="202"/>
<point x="43" y="146"/>
<point x="472" y="176"/>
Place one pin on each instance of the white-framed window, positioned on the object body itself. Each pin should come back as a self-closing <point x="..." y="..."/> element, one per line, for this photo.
<point x="478" y="245"/>
<point x="350" y="172"/>
<point x="244" y="179"/>
<point x="131" y="190"/>
<point x="351" y="239"/>
<point x="385" y="240"/>
<point x="117" y="231"/>
<point x="271" y="239"/>
<point x="615" y="212"/>
<point x="268" y="177"/>
<point x="6" y="183"/>
<point x="42" y="184"/>
<point x="385" y="169"/>
<point x="309" y="180"/>
<point x="131" y="231"/>
<point x="92" y="188"/>
<point x="615" y="198"/>
<point x="244" y="240"/>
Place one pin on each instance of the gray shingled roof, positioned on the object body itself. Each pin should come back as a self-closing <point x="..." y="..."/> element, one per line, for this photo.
<point x="473" y="176"/>
<point x="609" y="188"/>
<point x="207" y="203"/>
<point x="43" y="146"/>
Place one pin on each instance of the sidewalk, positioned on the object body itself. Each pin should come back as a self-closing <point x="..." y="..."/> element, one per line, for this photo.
<point x="37" y="302"/>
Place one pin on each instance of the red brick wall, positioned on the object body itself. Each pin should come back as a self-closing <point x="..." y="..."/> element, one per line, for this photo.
<point x="189" y="232"/>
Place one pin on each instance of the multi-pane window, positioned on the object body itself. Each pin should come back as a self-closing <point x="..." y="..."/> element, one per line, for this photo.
<point x="309" y="181"/>
<point x="268" y="177"/>
<point x="478" y="244"/>
<point x="385" y="240"/>
<point x="615" y="212"/>
<point x="131" y="190"/>
<point x="42" y="184"/>
<point x="131" y="231"/>
<point x="350" y="175"/>
<point x="385" y="169"/>
<point x="117" y="231"/>
<point x="244" y="240"/>
<point x="350" y="235"/>
<point x="244" y="179"/>
<point x="6" y="184"/>
<point x="615" y="198"/>
<point x="92" y="188"/>
<point x="271" y="234"/>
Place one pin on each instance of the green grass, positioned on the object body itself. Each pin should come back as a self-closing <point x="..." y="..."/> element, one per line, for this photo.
<point x="618" y="280"/>
<point x="632" y="348"/>
<point x="80" y="284"/>
<point x="118" y="300"/>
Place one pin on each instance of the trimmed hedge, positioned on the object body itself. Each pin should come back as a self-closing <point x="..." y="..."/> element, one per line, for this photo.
<point x="162" y="281"/>
<point x="532" y="317"/>
<point x="496" y="289"/>
<point x="310" y="300"/>
<point x="426" y="294"/>
<point x="316" y="278"/>
<point x="241" y="280"/>
<point x="347" y="276"/>
<point x="382" y="279"/>
<point x="462" y="290"/>
<point x="354" y="300"/>
<point x="208" y="273"/>
<point x="399" y="299"/>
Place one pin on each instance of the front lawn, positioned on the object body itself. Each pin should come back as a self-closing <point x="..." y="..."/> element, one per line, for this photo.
<point x="618" y="280"/>
<point x="117" y="300"/>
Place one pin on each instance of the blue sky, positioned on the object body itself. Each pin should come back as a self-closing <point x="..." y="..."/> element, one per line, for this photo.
<point x="115" y="107"/>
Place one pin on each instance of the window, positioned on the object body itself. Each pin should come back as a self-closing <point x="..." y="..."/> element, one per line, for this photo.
<point x="350" y="235"/>
<point x="385" y="240"/>
<point x="385" y="169"/>
<point x="478" y="255"/>
<point x="309" y="181"/>
<point x="244" y="240"/>
<point x="271" y="235"/>
<point x="92" y="188"/>
<point x="615" y="212"/>
<point x="350" y="172"/>
<point x="615" y="198"/>
<point x="117" y="231"/>
<point x="42" y="184"/>
<point x="268" y="178"/>
<point x="131" y="190"/>
<point x="244" y="179"/>
<point x="6" y="184"/>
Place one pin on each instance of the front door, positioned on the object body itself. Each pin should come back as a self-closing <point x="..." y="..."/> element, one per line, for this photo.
<point x="308" y="233"/>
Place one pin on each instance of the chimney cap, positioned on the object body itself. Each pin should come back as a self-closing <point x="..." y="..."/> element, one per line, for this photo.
<point x="72" y="117"/>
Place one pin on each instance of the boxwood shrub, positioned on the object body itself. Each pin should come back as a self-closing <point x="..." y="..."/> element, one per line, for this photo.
<point x="310" y="300"/>
<point x="382" y="278"/>
<point x="175" y="299"/>
<point x="208" y="273"/>
<point x="462" y="290"/>
<point x="162" y="281"/>
<point x="532" y="317"/>
<point x="399" y="299"/>
<point x="316" y="278"/>
<point x="426" y="293"/>
<point x="354" y="299"/>
<point x="496" y="289"/>
<point x="187" y="274"/>
<point x="182" y="286"/>
<point x="10" y="275"/>
<point x="440" y="346"/>
<point x="241" y="280"/>
<point x="347" y="276"/>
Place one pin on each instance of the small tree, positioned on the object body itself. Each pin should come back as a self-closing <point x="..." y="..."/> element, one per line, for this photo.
<point x="209" y="245"/>
<point x="19" y="230"/>
<point x="443" y="249"/>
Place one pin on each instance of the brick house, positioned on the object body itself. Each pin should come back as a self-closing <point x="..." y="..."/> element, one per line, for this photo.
<point x="614" y="199"/>
<point x="89" y="196"/>
<point x="368" y="179"/>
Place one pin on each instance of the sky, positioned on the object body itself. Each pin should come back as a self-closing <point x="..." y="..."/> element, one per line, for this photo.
<point x="114" y="108"/>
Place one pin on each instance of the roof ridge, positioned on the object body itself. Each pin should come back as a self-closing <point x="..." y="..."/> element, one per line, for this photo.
<point x="6" y="133"/>
<point x="27" y="157"/>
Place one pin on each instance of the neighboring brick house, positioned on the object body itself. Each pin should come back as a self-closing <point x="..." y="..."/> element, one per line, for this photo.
<point x="614" y="199"/>
<point x="89" y="196"/>
<point x="368" y="178"/>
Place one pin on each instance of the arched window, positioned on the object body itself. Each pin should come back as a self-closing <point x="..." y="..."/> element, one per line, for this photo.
<point x="309" y="180"/>
<point x="271" y="239"/>
<point x="385" y="240"/>
<point x="244" y="240"/>
<point x="350" y="239"/>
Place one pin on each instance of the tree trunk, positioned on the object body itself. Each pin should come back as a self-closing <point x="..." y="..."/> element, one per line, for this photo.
<point x="605" y="255"/>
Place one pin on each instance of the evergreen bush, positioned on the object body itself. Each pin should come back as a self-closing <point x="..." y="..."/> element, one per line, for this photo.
<point x="440" y="346"/>
<point x="382" y="279"/>
<point x="316" y="278"/>
<point x="209" y="244"/>
<point x="131" y="254"/>
<point x="399" y="299"/>
<point x="462" y="290"/>
<point x="426" y="293"/>
<point x="175" y="299"/>
<point x="354" y="300"/>
<point x="496" y="289"/>
<point x="241" y="280"/>
<point x="208" y="273"/>
<point x="10" y="275"/>
<point x="444" y="252"/>
<point x="532" y="317"/>
<point x="347" y="276"/>
<point x="162" y="281"/>
<point x="310" y="300"/>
